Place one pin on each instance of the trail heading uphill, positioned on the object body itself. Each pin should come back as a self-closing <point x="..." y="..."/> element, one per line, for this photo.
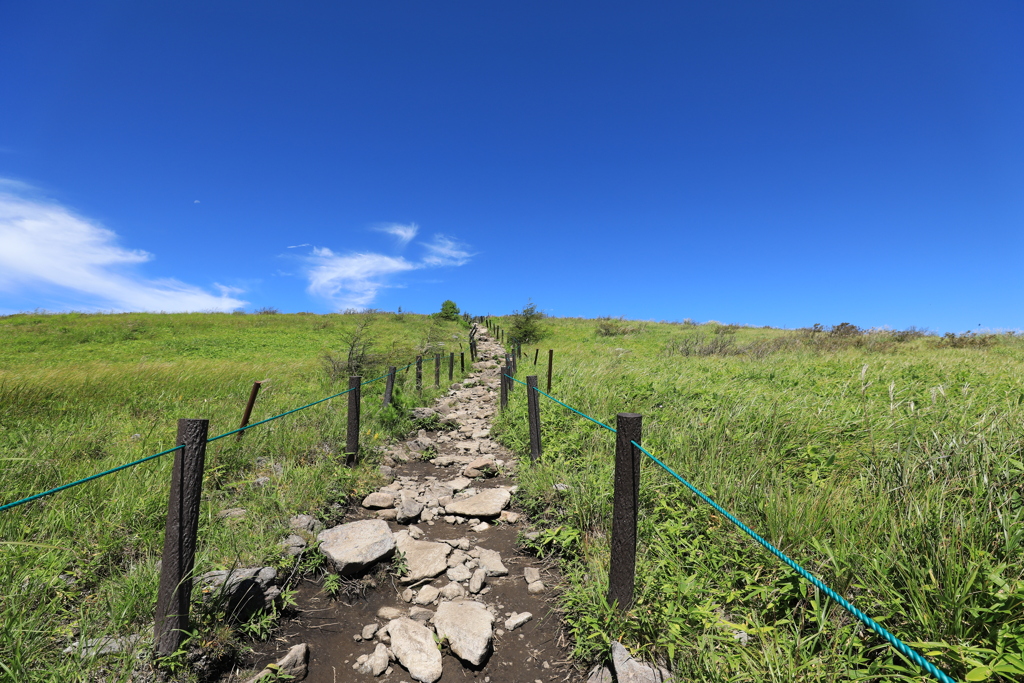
<point x="469" y="605"/>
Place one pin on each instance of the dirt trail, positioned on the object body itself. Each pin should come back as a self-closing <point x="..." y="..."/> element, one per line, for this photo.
<point x="534" y="651"/>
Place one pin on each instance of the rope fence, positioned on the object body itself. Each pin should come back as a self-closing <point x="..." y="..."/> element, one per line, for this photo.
<point x="624" y="521"/>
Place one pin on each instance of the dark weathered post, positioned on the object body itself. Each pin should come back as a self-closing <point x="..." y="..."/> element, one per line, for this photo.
<point x="355" y="390"/>
<point x="462" y="361"/>
<point x="533" y="407"/>
<point x="504" y="387"/>
<point x="389" y="385"/>
<point x="247" y="413"/>
<point x="437" y="369"/>
<point x="551" y="362"/>
<point x="451" y="366"/>
<point x="621" y="576"/>
<point x="536" y="353"/>
<point x="180" y="537"/>
<point x="419" y="373"/>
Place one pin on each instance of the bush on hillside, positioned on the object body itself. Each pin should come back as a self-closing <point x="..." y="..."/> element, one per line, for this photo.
<point x="449" y="311"/>
<point x="525" y="326"/>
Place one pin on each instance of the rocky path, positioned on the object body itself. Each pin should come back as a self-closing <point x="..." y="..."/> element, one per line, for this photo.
<point x="470" y="605"/>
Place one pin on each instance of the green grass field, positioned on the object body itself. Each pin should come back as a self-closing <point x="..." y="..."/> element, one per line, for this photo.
<point x="889" y="464"/>
<point x="83" y="393"/>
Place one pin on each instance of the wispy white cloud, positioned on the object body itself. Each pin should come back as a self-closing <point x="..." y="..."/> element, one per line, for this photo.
<point x="298" y="246"/>
<point x="45" y="246"/>
<point x="402" y="233"/>
<point x="444" y="251"/>
<point x="353" y="280"/>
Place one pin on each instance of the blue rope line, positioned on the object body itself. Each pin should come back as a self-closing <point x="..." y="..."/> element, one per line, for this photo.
<point x="597" y="422"/>
<point x="865" y="619"/>
<point x="157" y="455"/>
<point x="82" y="481"/>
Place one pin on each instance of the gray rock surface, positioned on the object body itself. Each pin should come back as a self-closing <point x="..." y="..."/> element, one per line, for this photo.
<point x="294" y="665"/>
<point x="600" y="674"/>
<point x="531" y="574"/>
<point x="629" y="670"/>
<point x="424" y="559"/>
<point x="409" y="510"/>
<point x="427" y="595"/>
<point x="490" y="561"/>
<point x="378" y="500"/>
<point x="459" y="573"/>
<point x="307" y="523"/>
<point x="374" y="664"/>
<point x="453" y="591"/>
<point x="369" y="631"/>
<point x="517" y="620"/>
<point x="467" y="626"/>
<point x="476" y="582"/>
<point x="487" y="503"/>
<point x="413" y="645"/>
<point x="355" y="546"/>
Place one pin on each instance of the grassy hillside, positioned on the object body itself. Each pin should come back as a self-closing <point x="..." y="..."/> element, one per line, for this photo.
<point x="82" y="393"/>
<point x="889" y="464"/>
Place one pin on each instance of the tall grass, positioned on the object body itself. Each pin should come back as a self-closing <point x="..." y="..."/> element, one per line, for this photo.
<point x="892" y="470"/>
<point x="81" y="394"/>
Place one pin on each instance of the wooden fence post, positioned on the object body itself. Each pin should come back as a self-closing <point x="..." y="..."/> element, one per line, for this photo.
<point x="536" y="352"/>
<point x="504" y="387"/>
<point x="437" y="369"/>
<point x="180" y="530"/>
<point x="247" y="413"/>
<point x="533" y="407"/>
<point x="462" y="361"/>
<point x="551" y="362"/>
<point x="451" y="366"/>
<point x="622" y="574"/>
<point x="352" y="435"/>
<point x="389" y="385"/>
<point x="419" y="374"/>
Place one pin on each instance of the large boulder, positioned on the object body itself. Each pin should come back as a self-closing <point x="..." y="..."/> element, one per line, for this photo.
<point x="414" y="646"/>
<point x="488" y="503"/>
<point x="355" y="546"/>
<point x="467" y="626"/>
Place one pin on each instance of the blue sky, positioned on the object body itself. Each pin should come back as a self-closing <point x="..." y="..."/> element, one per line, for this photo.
<point x="762" y="163"/>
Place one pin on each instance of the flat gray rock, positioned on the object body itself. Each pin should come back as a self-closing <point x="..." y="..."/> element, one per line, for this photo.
<point x="629" y="670"/>
<point x="488" y="503"/>
<point x="378" y="500"/>
<point x="424" y="559"/>
<point x="467" y="626"/>
<point x="355" y="546"/>
<point x="414" y="646"/>
<point x="294" y="665"/>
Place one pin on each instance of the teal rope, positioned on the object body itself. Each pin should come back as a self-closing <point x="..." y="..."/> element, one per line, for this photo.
<point x="294" y="410"/>
<point x="82" y="481"/>
<point x="157" y="455"/>
<point x="865" y="619"/>
<point x="602" y="424"/>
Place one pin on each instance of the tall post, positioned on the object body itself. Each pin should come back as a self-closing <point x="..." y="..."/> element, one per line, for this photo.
<point x="533" y="407"/>
<point x="389" y="385"/>
<point x="504" y="386"/>
<point x="551" y="362"/>
<point x="182" y="524"/>
<point x="536" y="353"/>
<point x="622" y="575"/>
<point x="247" y="413"/>
<point x="462" y="361"/>
<point x="419" y="373"/>
<point x="451" y="366"/>
<point x="355" y="390"/>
